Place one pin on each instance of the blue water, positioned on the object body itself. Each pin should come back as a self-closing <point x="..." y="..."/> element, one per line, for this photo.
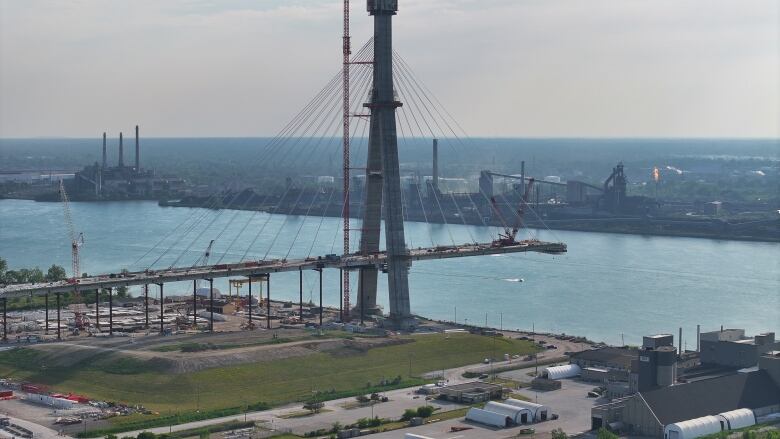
<point x="608" y="286"/>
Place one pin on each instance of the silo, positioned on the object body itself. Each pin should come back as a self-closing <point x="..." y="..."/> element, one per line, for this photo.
<point x="666" y="366"/>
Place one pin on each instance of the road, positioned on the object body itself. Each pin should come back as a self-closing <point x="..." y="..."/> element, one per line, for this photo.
<point x="39" y="431"/>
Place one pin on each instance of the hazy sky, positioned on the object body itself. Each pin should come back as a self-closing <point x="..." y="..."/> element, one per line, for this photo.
<point x="589" y="68"/>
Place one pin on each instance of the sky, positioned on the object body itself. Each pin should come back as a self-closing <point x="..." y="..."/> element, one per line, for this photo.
<point x="502" y="68"/>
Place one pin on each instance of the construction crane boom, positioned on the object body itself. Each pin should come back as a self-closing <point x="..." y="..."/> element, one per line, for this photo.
<point x="510" y="235"/>
<point x="76" y="241"/>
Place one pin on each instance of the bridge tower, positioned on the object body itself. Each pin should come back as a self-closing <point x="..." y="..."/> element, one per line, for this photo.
<point x="383" y="180"/>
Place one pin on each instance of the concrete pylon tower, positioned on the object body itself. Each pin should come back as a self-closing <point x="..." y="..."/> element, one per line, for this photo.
<point x="383" y="177"/>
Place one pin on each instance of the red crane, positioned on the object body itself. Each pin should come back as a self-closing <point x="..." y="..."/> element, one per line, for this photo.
<point x="509" y="236"/>
<point x="76" y="241"/>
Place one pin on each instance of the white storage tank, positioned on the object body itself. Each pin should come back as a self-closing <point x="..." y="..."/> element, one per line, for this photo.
<point x="488" y="418"/>
<point x="539" y="412"/>
<point x="693" y="428"/>
<point x="519" y="415"/>
<point x="561" y="372"/>
<point x="736" y="419"/>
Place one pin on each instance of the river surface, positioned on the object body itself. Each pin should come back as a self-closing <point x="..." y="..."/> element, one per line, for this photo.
<point x="608" y="287"/>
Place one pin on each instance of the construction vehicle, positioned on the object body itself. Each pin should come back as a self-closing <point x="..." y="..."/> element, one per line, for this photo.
<point x="509" y="236"/>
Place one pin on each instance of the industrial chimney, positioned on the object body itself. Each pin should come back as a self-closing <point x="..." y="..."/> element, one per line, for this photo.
<point x="105" y="162"/>
<point x="436" y="165"/>
<point x="137" y="152"/>
<point x="121" y="152"/>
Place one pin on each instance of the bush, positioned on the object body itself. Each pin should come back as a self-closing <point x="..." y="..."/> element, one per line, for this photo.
<point x="408" y="414"/>
<point x="559" y="434"/>
<point x="603" y="433"/>
<point x="425" y="411"/>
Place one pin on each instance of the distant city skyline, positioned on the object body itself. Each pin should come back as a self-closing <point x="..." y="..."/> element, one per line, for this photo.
<point x="503" y="68"/>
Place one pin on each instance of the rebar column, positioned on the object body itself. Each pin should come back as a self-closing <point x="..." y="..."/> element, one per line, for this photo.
<point x="97" y="309"/>
<point x="320" y="270"/>
<point x="146" y="304"/>
<point x="46" y="305"/>
<point x="211" y="305"/>
<point x="195" y="303"/>
<point x="59" y="336"/>
<point x="300" y="293"/>
<point x="249" y="304"/>
<point x="110" y="311"/>
<point x="268" y="302"/>
<point x="162" y="309"/>
<point x="341" y="302"/>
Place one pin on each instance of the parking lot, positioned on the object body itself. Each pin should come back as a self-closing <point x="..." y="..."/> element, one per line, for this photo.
<point x="571" y="403"/>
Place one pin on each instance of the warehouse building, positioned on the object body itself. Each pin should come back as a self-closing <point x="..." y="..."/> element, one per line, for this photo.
<point x="473" y="392"/>
<point x="693" y="407"/>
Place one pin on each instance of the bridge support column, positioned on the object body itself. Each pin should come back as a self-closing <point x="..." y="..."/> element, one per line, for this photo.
<point x="320" y="270"/>
<point x="362" y="302"/>
<point x="268" y="302"/>
<point x="341" y="294"/>
<point x="300" y="294"/>
<point x="146" y="304"/>
<point x="162" y="309"/>
<point x="195" y="303"/>
<point x="97" y="309"/>
<point x="46" y="305"/>
<point x="211" y="305"/>
<point x="110" y="310"/>
<point x="249" y="302"/>
<point x="59" y="335"/>
<point x="5" y="321"/>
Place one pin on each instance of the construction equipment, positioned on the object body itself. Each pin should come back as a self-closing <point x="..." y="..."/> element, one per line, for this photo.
<point x="204" y="260"/>
<point x="76" y="241"/>
<point x="509" y="236"/>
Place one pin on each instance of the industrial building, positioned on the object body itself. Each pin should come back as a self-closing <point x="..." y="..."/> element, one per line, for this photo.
<point x="509" y="413"/>
<point x="470" y="393"/>
<point x="103" y="182"/>
<point x="688" y="410"/>
<point x="731" y="348"/>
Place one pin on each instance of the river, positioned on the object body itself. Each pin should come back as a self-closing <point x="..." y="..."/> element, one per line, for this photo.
<point x="608" y="287"/>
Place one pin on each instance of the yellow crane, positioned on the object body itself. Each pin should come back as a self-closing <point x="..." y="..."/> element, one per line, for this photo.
<point x="76" y="241"/>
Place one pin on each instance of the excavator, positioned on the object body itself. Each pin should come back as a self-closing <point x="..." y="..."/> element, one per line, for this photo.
<point x="509" y="236"/>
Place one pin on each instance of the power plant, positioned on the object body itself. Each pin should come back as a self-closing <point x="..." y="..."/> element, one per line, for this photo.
<point x="104" y="182"/>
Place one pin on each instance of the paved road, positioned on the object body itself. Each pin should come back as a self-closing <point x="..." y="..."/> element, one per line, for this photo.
<point x="39" y="431"/>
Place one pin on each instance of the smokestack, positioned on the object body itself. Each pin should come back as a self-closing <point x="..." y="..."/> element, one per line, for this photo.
<point x="105" y="162"/>
<point x="522" y="177"/>
<point x="679" y="342"/>
<point x="121" y="152"/>
<point x="698" y="338"/>
<point x="137" y="152"/>
<point x="436" y="164"/>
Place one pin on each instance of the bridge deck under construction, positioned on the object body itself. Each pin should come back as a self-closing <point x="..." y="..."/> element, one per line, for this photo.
<point x="263" y="267"/>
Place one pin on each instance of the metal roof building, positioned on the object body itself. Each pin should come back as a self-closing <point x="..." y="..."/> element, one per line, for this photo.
<point x="561" y="372"/>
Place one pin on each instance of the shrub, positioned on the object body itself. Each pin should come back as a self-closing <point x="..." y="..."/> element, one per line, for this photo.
<point x="425" y="411"/>
<point x="603" y="433"/>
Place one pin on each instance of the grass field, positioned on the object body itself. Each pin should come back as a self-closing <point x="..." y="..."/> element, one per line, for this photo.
<point x="114" y="377"/>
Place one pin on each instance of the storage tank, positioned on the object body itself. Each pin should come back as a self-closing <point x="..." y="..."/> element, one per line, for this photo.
<point x="737" y="419"/>
<point x="666" y="366"/>
<point x="519" y="415"/>
<point x="693" y="428"/>
<point x="488" y="418"/>
<point x="540" y="412"/>
<point x="560" y="372"/>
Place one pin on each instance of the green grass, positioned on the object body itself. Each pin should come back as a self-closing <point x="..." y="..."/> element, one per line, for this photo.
<point x="340" y="374"/>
